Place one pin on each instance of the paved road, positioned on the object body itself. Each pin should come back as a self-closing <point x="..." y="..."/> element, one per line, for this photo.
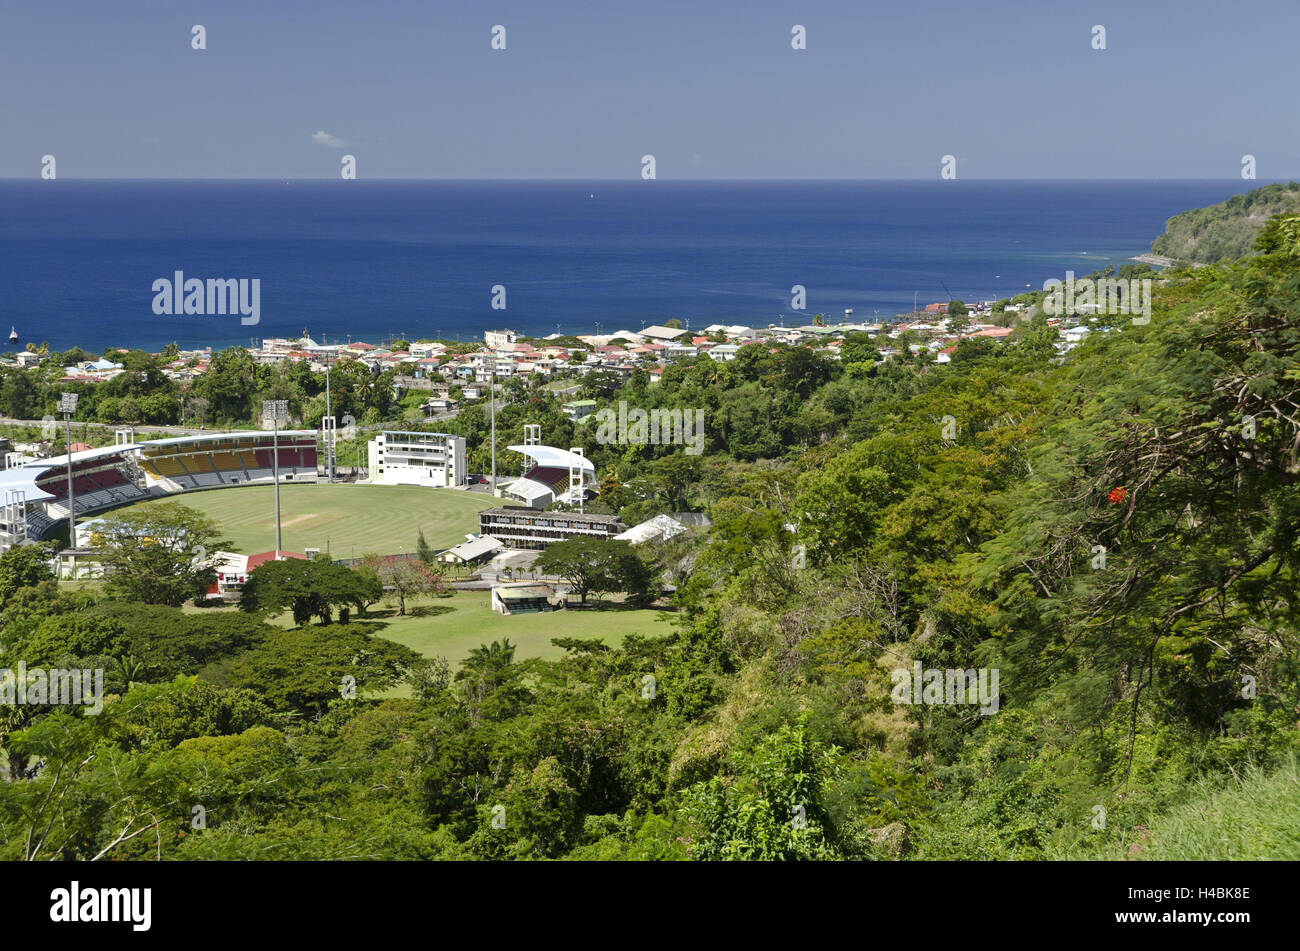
<point x="76" y="422"/>
<point x="191" y="431"/>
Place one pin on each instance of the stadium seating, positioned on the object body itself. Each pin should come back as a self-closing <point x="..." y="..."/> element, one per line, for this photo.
<point x="95" y="484"/>
<point x="39" y="525"/>
<point x="165" y="466"/>
<point x="211" y="464"/>
<point x="106" y="480"/>
<point x="556" y="479"/>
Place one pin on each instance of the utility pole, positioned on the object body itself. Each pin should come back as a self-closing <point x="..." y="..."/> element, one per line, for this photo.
<point x="329" y="445"/>
<point x="274" y="409"/>
<point x="68" y="406"/>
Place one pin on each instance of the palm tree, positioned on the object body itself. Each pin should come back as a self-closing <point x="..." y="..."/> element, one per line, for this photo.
<point x="485" y="669"/>
<point x="129" y="669"/>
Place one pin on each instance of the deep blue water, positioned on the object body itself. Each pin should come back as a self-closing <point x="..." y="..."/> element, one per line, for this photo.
<point x="78" y="258"/>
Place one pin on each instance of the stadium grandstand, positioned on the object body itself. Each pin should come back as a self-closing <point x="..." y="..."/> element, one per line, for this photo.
<point x="221" y="459"/>
<point x="34" y="492"/>
<point x="553" y="475"/>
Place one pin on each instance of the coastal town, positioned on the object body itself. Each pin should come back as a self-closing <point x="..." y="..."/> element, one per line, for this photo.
<point x="454" y="373"/>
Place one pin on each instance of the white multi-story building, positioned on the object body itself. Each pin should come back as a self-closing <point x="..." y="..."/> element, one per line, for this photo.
<point x="500" y="339"/>
<point x="409" y="458"/>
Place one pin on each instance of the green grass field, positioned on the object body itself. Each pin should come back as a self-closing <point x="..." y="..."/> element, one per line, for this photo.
<point x="458" y="624"/>
<point x="349" y="520"/>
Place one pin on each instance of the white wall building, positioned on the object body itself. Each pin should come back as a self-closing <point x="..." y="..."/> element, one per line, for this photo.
<point x="410" y="458"/>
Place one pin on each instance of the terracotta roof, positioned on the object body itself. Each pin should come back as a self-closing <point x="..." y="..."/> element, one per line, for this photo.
<point x="265" y="556"/>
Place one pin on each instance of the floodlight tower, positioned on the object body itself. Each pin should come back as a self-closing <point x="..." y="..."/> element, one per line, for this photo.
<point x="15" y="516"/>
<point x="332" y="433"/>
<point x="532" y="437"/>
<point x="275" y="410"/>
<point x="68" y="406"/>
<point x="491" y="363"/>
<point x="577" y="480"/>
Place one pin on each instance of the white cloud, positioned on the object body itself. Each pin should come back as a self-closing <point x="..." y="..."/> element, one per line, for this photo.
<point x="330" y="141"/>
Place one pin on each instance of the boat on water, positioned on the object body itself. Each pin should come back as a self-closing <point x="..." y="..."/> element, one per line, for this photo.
<point x="13" y="335"/>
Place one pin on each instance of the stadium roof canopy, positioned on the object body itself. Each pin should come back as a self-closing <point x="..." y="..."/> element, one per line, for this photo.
<point x="81" y="455"/>
<point x="661" y="526"/>
<point x="24" y="480"/>
<point x="468" y="551"/>
<point x="528" y="490"/>
<point x="550" y="457"/>
<point x="218" y="437"/>
<point x="24" y="475"/>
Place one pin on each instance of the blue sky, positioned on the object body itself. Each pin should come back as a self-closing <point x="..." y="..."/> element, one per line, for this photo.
<point x="713" y="90"/>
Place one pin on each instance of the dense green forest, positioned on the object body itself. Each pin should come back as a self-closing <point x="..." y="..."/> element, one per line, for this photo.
<point x="1116" y="532"/>
<point x="1228" y="230"/>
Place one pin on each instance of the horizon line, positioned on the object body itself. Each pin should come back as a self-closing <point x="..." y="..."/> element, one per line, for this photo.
<point x="1255" y="182"/>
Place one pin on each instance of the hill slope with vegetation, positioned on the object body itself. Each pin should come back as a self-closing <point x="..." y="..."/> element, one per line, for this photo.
<point x="1115" y="531"/>
<point x="1228" y="230"/>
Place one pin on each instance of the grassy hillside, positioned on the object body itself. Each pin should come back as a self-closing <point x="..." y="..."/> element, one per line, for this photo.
<point x="1228" y="230"/>
<point x="1253" y="817"/>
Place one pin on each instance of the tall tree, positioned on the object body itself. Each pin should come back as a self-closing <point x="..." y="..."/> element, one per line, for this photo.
<point x="589" y="565"/>
<point x="24" y="566"/>
<point x="404" y="577"/>
<point x="163" y="553"/>
<point x="310" y="587"/>
<point x="424" y="549"/>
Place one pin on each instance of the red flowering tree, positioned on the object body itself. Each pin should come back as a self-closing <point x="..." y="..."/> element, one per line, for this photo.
<point x="404" y="578"/>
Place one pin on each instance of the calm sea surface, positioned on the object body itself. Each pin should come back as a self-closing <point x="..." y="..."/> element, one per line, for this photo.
<point x="372" y="259"/>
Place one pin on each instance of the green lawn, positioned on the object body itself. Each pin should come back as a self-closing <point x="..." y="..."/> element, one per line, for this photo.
<point x="458" y="624"/>
<point x="453" y="626"/>
<point x="349" y="520"/>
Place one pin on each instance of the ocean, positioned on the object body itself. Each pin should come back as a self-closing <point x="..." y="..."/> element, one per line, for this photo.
<point x="378" y="259"/>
